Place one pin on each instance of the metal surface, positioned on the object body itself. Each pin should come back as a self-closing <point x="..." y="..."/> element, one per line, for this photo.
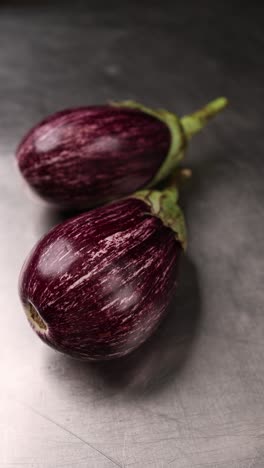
<point x="194" y="394"/>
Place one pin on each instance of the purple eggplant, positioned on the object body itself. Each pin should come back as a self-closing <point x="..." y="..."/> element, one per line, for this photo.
<point x="98" y="285"/>
<point x="87" y="156"/>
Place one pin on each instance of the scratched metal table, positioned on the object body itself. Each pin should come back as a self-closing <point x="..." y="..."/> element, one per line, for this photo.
<point x="193" y="396"/>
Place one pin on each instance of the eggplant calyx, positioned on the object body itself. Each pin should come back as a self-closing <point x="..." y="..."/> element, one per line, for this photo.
<point x="177" y="143"/>
<point x="181" y="130"/>
<point x="163" y="205"/>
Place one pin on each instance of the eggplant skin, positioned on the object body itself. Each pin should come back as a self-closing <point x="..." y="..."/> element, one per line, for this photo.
<point x="102" y="280"/>
<point x="82" y="157"/>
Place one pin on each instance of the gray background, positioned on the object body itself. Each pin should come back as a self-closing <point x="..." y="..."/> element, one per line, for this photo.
<point x="193" y="396"/>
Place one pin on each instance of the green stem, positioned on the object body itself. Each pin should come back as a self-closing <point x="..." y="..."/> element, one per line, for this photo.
<point x="194" y="123"/>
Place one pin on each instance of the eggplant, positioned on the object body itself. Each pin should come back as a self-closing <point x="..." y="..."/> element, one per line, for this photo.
<point x="97" y="286"/>
<point x="84" y="157"/>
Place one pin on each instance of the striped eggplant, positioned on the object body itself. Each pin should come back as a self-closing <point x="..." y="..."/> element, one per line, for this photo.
<point x="97" y="286"/>
<point x="87" y="156"/>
